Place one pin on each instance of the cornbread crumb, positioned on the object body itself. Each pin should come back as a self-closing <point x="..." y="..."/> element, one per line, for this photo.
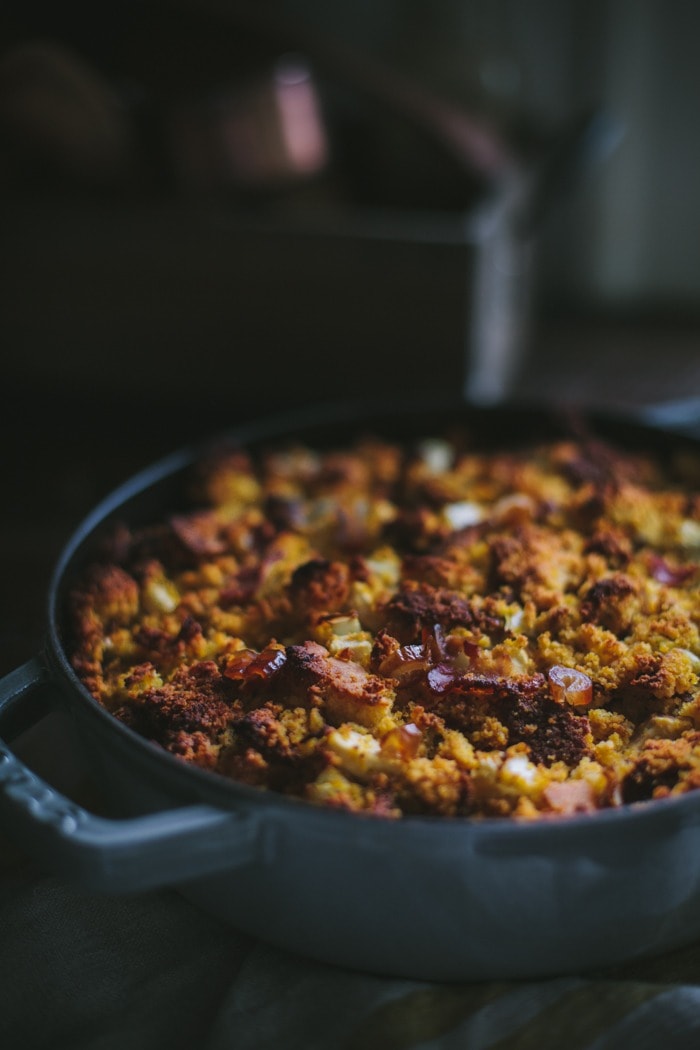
<point x="379" y="628"/>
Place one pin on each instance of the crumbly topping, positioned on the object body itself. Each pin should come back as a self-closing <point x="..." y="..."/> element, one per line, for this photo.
<point x="414" y="630"/>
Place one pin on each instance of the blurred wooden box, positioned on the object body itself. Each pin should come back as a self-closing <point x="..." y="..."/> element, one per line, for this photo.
<point x="174" y="298"/>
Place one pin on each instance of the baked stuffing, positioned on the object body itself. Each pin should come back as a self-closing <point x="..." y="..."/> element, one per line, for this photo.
<point x="424" y="629"/>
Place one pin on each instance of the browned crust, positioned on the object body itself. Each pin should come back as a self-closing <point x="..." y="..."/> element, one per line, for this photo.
<point x="313" y="607"/>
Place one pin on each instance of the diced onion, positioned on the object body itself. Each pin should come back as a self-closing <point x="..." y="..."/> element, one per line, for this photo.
<point x="514" y="508"/>
<point x="436" y="455"/>
<point x="519" y="771"/>
<point x="342" y="625"/>
<point x="357" y="753"/>
<point x="402" y="742"/>
<point x="690" y="533"/>
<point x="462" y="515"/>
<point x="569" y="686"/>
<point x="692" y="658"/>
<point x="161" y="596"/>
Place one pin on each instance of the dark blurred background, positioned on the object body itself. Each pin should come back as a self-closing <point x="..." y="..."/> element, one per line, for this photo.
<point x="215" y="210"/>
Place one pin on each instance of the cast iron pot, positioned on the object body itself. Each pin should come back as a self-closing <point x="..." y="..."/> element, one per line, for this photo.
<point x="428" y="898"/>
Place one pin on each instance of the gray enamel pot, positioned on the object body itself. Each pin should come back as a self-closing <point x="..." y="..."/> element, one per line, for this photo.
<point x="427" y="898"/>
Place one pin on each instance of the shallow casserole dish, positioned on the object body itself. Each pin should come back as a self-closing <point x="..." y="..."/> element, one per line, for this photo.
<point x="420" y="897"/>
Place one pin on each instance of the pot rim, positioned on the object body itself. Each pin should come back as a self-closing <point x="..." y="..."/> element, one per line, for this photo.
<point x="226" y="792"/>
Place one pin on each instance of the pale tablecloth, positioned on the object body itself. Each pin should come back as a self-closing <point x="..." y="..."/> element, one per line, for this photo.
<point x="148" y="971"/>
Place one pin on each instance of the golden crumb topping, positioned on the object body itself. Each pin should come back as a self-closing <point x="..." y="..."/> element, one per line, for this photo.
<point x="421" y="629"/>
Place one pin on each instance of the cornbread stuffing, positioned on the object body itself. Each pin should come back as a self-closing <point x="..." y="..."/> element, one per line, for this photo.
<point x="421" y="629"/>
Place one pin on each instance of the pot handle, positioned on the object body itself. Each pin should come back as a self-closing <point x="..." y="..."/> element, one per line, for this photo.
<point x="137" y="853"/>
